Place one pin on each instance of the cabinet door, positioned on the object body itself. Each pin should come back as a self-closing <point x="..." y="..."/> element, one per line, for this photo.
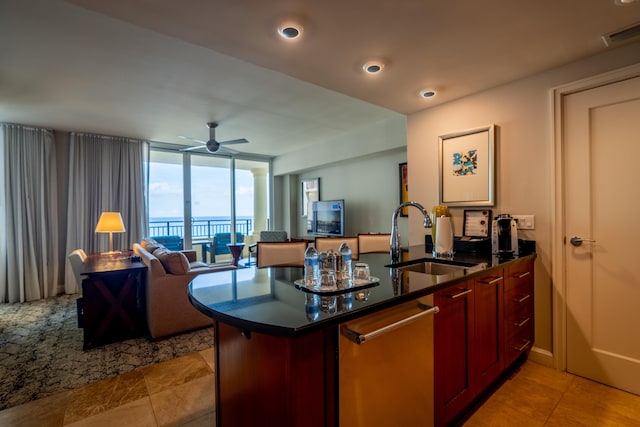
<point x="113" y="308"/>
<point x="270" y="380"/>
<point x="453" y="342"/>
<point x="489" y="356"/>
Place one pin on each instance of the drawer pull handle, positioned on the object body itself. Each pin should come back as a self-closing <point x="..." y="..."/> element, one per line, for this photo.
<point x="521" y="324"/>
<point x="459" y="294"/>
<point x="523" y="299"/>
<point x="523" y="347"/>
<point x="520" y="276"/>
<point x="492" y="281"/>
<point x="359" y="338"/>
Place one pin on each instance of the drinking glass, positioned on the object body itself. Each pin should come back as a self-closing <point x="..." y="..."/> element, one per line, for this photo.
<point x="328" y="281"/>
<point x="361" y="273"/>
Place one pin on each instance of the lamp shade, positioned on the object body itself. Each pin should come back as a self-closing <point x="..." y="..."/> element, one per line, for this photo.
<point x="110" y="222"/>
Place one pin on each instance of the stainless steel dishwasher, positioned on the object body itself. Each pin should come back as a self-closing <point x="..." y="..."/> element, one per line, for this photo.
<point x="386" y="367"/>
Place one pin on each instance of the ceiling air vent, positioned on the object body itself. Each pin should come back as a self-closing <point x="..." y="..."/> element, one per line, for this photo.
<point x="624" y="35"/>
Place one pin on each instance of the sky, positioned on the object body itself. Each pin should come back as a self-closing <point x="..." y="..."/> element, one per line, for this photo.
<point x="210" y="191"/>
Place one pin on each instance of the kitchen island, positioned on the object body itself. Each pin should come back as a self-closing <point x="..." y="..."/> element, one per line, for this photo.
<point x="286" y="356"/>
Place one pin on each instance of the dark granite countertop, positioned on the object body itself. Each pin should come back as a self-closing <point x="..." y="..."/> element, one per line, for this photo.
<point x="266" y="300"/>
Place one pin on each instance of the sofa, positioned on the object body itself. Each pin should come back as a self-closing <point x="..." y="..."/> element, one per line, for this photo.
<point x="168" y="309"/>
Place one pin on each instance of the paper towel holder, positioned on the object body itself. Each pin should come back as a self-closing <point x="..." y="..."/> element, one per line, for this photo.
<point x="443" y="249"/>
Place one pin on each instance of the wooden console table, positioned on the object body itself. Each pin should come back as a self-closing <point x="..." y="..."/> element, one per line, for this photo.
<point x="113" y="299"/>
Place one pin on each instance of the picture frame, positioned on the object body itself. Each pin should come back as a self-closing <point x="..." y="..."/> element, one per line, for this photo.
<point x="477" y="223"/>
<point x="310" y="192"/>
<point x="466" y="167"/>
<point x="404" y="186"/>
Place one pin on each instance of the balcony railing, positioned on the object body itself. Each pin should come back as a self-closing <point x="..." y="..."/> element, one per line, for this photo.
<point x="200" y="228"/>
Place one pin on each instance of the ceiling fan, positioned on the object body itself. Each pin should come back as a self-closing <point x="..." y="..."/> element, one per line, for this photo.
<point x="212" y="145"/>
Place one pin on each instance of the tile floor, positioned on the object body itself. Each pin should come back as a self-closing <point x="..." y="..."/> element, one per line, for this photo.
<point x="541" y="396"/>
<point x="180" y="392"/>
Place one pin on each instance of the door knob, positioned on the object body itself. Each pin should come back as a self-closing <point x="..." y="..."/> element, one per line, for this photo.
<point x="577" y="241"/>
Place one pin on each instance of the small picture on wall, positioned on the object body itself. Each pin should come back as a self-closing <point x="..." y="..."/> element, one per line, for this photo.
<point x="467" y="171"/>
<point x="310" y="193"/>
<point x="404" y="187"/>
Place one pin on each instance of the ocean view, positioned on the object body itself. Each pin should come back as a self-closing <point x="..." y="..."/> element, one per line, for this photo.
<point x="200" y="226"/>
<point x="204" y="218"/>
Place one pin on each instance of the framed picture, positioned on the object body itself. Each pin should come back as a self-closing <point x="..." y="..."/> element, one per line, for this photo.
<point x="477" y="223"/>
<point x="467" y="171"/>
<point x="404" y="187"/>
<point x="310" y="193"/>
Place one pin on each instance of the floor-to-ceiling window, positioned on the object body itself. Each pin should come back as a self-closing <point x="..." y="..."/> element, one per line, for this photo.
<point x="199" y="197"/>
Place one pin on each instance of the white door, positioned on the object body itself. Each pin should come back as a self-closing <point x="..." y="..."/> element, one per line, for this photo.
<point x="602" y="203"/>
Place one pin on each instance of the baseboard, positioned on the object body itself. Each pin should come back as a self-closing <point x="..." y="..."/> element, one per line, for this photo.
<point x="541" y="356"/>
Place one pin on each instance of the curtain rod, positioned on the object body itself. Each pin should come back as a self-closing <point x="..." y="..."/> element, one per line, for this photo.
<point x="27" y="127"/>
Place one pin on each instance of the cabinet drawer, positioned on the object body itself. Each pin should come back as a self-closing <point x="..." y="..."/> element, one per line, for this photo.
<point x="494" y="279"/>
<point x="518" y="320"/>
<point x="519" y="344"/>
<point x="518" y="298"/>
<point x="519" y="274"/>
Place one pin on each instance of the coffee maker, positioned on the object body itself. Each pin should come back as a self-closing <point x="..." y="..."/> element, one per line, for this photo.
<point x="504" y="235"/>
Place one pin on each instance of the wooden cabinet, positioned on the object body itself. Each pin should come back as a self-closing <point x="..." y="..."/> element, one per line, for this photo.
<point x="518" y="309"/>
<point x="488" y="356"/>
<point x="468" y="343"/>
<point x="483" y="327"/>
<point x="112" y="300"/>
<point x="262" y="378"/>
<point x="453" y="343"/>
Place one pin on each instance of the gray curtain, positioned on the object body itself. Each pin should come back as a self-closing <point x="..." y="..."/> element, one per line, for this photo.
<point x="105" y="174"/>
<point x="28" y="212"/>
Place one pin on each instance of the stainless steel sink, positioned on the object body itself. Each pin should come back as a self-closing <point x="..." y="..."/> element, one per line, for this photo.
<point x="433" y="268"/>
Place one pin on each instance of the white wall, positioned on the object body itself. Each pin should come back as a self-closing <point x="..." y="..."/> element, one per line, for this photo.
<point x="370" y="187"/>
<point x="522" y="112"/>
<point x="360" y="166"/>
<point x="378" y="137"/>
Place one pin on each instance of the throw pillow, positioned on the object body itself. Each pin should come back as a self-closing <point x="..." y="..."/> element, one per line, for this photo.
<point x="173" y="262"/>
<point x="149" y="244"/>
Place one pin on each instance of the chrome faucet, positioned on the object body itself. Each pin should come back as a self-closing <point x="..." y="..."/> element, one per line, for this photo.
<point x="395" y="238"/>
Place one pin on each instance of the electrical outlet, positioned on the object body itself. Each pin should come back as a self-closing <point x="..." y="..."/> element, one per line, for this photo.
<point x="525" y="222"/>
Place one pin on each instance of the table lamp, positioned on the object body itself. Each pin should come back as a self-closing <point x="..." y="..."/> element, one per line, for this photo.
<point x="110" y="222"/>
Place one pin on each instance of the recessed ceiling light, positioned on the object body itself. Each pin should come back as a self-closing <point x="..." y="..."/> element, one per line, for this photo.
<point x="373" y="67"/>
<point x="625" y="2"/>
<point x="290" y="30"/>
<point x="427" y="93"/>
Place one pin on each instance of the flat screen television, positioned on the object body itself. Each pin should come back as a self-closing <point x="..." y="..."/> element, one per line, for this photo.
<point x="327" y="218"/>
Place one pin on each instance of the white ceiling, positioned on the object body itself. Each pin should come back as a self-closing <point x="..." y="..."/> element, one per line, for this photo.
<point x="156" y="69"/>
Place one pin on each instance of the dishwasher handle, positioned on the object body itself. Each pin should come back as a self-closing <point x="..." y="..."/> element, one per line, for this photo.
<point x="359" y="338"/>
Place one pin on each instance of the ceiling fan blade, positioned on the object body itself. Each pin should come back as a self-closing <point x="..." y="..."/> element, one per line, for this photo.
<point x="234" y="141"/>
<point x="192" y="139"/>
<point x="193" y="148"/>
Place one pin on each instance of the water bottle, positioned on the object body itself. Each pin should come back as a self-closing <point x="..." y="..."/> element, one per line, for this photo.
<point x="311" y="268"/>
<point x="312" y="306"/>
<point x="345" y="255"/>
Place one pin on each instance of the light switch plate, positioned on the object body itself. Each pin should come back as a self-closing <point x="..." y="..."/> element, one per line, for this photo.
<point x="525" y="222"/>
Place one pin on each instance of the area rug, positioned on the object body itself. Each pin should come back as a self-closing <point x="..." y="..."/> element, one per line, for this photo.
<point x="41" y="351"/>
